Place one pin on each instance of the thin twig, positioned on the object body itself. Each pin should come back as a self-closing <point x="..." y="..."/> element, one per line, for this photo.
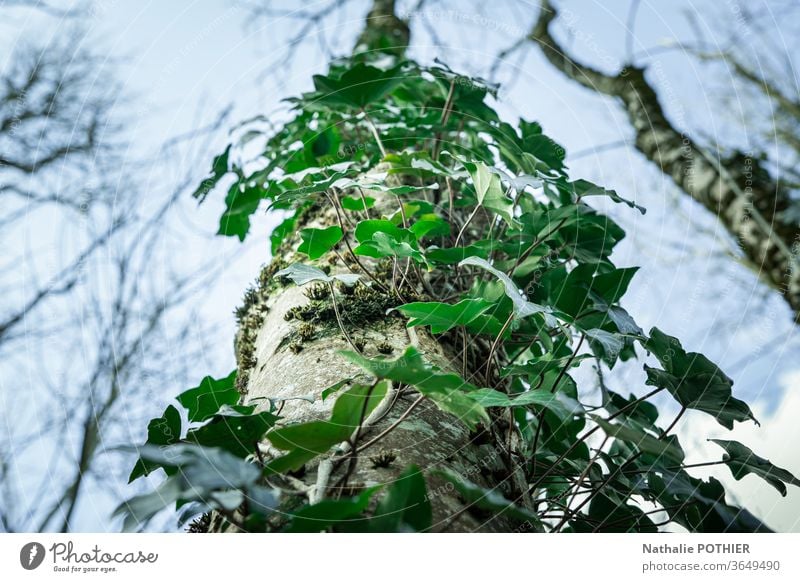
<point x="495" y="343"/>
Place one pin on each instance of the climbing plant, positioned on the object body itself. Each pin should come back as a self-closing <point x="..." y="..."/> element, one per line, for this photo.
<point x="406" y="197"/>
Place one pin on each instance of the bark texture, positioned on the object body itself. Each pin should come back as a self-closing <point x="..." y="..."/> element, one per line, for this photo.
<point x="737" y="188"/>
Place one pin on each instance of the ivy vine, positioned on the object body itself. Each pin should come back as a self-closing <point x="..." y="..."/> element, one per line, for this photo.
<point x="458" y="222"/>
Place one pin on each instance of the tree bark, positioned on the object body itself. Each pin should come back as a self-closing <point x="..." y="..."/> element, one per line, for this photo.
<point x="737" y="188"/>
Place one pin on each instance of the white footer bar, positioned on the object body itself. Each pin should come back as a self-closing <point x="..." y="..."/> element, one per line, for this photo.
<point x="355" y="557"/>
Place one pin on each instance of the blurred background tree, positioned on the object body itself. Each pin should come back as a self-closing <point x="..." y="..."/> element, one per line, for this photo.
<point x="87" y="324"/>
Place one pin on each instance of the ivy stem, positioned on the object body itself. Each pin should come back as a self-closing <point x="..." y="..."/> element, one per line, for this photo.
<point x="536" y="243"/>
<point x="674" y="422"/>
<point x="464" y="351"/>
<point x="350" y="248"/>
<point x="336" y="202"/>
<point x="422" y="280"/>
<point x="448" y="105"/>
<point x="394" y="425"/>
<point x="589" y="433"/>
<point x="451" y="198"/>
<point x="496" y="342"/>
<point x="363" y="201"/>
<point x="402" y="211"/>
<point x="405" y="279"/>
<point x="354" y="443"/>
<point x="583" y="475"/>
<point x="466" y="224"/>
<point x="540" y="421"/>
<point x="339" y="318"/>
<point x="572" y="512"/>
<point x="374" y="131"/>
<point x="568" y="364"/>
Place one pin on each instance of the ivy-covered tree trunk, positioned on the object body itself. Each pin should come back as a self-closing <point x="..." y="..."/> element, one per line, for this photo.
<point x="288" y="351"/>
<point x="404" y="363"/>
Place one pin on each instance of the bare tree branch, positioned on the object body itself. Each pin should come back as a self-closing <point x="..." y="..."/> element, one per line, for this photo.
<point x="736" y="187"/>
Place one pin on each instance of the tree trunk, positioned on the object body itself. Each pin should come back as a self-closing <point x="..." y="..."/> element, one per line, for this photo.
<point x="287" y="348"/>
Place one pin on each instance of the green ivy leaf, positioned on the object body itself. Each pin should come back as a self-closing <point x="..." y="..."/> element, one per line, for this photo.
<point x="605" y="344"/>
<point x="446" y="390"/>
<point x="219" y="168"/>
<point x="481" y="178"/>
<point x="241" y="203"/>
<point x="694" y="380"/>
<point x="405" y="506"/>
<point x="488" y="499"/>
<point x="541" y="146"/>
<point x="366" y="229"/>
<point x="418" y="164"/>
<point x="233" y="431"/>
<point x="497" y="201"/>
<point x="451" y="256"/>
<point x="402" y="190"/>
<point x="384" y="245"/>
<point x="208" y="475"/>
<point x="539" y="366"/>
<point x="443" y="316"/>
<point x="700" y="506"/>
<point x="164" y="430"/>
<point x="382" y="238"/>
<point x="584" y="188"/>
<point x="741" y="461"/>
<point x="356" y="203"/>
<point x="610" y="513"/>
<point x="357" y="87"/>
<point x="306" y="440"/>
<point x="641" y="440"/>
<point x="623" y="320"/>
<point x="591" y="237"/>
<point x="488" y="189"/>
<point x="301" y="274"/>
<point x="587" y="287"/>
<point x="298" y="186"/>
<point x="334" y="388"/>
<point x="430" y="225"/>
<point x="318" y="241"/>
<point x="522" y="307"/>
<point x="323" y="146"/>
<point x="333" y="513"/>
<point x="280" y="232"/>
<point x="209" y="396"/>
<point x="557" y="402"/>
